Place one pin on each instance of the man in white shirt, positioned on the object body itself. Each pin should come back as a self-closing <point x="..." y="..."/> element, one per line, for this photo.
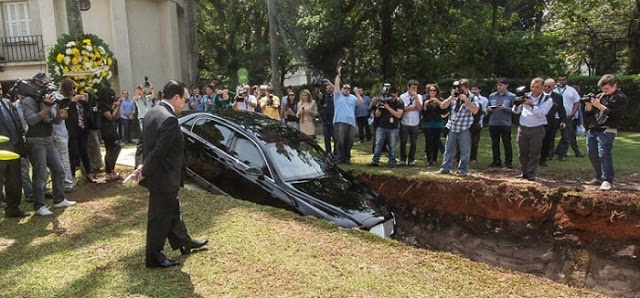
<point x="533" y="110"/>
<point x="571" y="102"/>
<point x="410" y="123"/>
<point x="248" y="102"/>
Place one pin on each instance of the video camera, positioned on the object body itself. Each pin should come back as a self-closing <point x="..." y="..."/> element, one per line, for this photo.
<point x="30" y="89"/>
<point x="521" y="95"/>
<point x="456" y="89"/>
<point x="239" y="94"/>
<point x="318" y="80"/>
<point x="587" y="97"/>
<point x="385" y="95"/>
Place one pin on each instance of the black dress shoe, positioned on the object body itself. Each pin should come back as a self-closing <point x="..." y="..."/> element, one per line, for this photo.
<point x="14" y="213"/>
<point x="579" y="154"/>
<point x="164" y="264"/>
<point x="185" y="250"/>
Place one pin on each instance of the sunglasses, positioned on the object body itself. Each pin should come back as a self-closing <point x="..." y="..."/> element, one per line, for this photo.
<point x="434" y="90"/>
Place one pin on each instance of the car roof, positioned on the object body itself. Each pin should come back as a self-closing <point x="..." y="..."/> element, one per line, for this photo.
<point x="263" y="127"/>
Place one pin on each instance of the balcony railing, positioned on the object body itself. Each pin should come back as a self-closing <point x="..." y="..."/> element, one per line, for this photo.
<point x="22" y="48"/>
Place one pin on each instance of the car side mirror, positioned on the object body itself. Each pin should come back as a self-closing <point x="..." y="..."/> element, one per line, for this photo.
<point x="255" y="171"/>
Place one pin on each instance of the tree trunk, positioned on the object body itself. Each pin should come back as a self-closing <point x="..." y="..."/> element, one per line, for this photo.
<point x="634" y="41"/>
<point x="192" y="42"/>
<point x="74" y="18"/>
<point x="273" y="46"/>
<point x="386" y="39"/>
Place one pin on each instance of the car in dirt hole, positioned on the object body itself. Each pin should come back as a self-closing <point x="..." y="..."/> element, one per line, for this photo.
<point x="249" y="156"/>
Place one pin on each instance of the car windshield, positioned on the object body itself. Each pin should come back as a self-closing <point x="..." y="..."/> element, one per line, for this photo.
<point x="299" y="159"/>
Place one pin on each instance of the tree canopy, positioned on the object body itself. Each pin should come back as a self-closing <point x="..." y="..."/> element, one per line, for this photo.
<point x="395" y="40"/>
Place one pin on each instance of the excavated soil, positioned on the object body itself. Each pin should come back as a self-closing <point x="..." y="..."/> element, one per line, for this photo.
<point x="554" y="227"/>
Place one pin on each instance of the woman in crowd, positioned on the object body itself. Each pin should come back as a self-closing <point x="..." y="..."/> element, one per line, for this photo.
<point x="307" y="112"/>
<point x="290" y="110"/>
<point x="432" y="123"/>
<point x="78" y="128"/>
<point x="110" y="111"/>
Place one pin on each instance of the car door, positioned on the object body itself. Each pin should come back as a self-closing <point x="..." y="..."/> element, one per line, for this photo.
<point x="207" y="151"/>
<point x="258" y="189"/>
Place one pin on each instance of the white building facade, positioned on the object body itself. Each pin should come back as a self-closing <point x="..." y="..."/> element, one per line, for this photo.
<point x="147" y="38"/>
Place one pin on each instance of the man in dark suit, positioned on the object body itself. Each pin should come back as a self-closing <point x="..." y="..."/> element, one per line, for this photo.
<point x="11" y="127"/>
<point x="553" y="122"/>
<point x="162" y="173"/>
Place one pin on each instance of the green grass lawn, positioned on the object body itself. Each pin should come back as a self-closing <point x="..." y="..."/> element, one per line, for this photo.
<point x="624" y="154"/>
<point x="96" y="249"/>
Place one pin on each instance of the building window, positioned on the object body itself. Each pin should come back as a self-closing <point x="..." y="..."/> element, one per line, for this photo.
<point x="17" y="20"/>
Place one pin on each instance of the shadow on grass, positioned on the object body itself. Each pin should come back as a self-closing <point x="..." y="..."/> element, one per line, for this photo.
<point x="102" y="213"/>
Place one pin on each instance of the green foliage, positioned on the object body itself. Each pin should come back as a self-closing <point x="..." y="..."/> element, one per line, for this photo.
<point x="592" y="33"/>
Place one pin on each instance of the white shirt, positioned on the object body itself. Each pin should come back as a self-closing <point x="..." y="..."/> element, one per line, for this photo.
<point x="484" y="102"/>
<point x="536" y="116"/>
<point x="569" y="97"/>
<point x="244" y="106"/>
<point x="411" y="118"/>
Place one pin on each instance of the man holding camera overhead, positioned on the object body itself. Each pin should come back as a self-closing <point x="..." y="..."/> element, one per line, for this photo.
<point x="42" y="152"/>
<point x="533" y="108"/>
<point x="604" y="112"/>
<point x="463" y="106"/>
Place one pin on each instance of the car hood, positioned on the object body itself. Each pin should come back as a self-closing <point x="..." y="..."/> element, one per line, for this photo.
<point x="340" y="197"/>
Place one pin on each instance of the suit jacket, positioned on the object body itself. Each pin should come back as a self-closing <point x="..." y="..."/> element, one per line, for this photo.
<point x="558" y="106"/>
<point x="164" y="163"/>
<point x="16" y="145"/>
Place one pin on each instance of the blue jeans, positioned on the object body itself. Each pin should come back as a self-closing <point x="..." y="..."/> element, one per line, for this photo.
<point x="43" y="154"/>
<point x="62" y="144"/>
<point x="125" y="130"/>
<point x="27" y="187"/>
<point x="383" y="134"/>
<point x="599" y="146"/>
<point x="327" y="132"/>
<point x="463" y="139"/>
<point x="343" y="135"/>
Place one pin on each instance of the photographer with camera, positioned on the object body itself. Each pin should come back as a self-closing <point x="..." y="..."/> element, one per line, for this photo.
<point x="432" y="123"/>
<point x="42" y="152"/>
<point x="604" y="112"/>
<point x="270" y="104"/>
<point x="463" y="106"/>
<point x="244" y="101"/>
<point x="143" y="100"/>
<point x="326" y="113"/>
<point x="410" y="127"/>
<point x="389" y="111"/>
<point x="533" y="108"/>
<point x="344" y="119"/>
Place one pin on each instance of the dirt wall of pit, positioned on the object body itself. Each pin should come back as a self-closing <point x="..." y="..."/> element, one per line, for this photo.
<point x="563" y="234"/>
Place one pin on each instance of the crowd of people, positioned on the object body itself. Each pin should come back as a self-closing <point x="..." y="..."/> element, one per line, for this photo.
<point x="550" y="107"/>
<point x="55" y="140"/>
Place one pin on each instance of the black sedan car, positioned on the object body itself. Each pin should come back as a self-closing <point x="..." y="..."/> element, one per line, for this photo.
<point x="249" y="156"/>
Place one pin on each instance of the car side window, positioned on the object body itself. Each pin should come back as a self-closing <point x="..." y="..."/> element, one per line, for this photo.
<point x="213" y="132"/>
<point x="248" y="153"/>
